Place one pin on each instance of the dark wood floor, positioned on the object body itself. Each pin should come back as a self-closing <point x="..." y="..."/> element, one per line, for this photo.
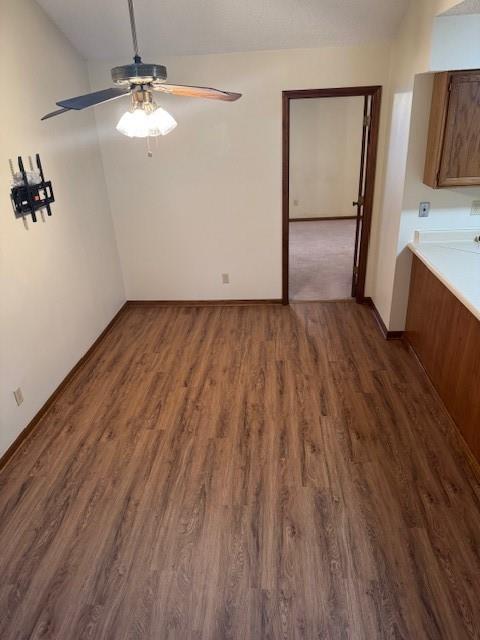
<point x="245" y="472"/>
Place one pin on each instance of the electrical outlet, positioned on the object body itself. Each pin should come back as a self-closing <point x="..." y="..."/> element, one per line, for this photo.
<point x="475" y="208"/>
<point x="18" y="396"/>
<point x="424" y="210"/>
<point x="225" y="278"/>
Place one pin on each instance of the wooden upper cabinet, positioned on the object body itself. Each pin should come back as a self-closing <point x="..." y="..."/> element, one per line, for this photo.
<point x="453" y="148"/>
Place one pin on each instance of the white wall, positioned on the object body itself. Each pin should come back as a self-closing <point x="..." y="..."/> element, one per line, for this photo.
<point x="325" y="150"/>
<point x="412" y="54"/>
<point x="209" y="201"/>
<point x="60" y="282"/>
<point x="455" y="42"/>
<point x="450" y="208"/>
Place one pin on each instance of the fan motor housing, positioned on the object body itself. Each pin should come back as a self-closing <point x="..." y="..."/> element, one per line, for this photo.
<point x="139" y="73"/>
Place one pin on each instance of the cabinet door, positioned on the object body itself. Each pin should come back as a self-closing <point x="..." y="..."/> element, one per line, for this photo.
<point x="460" y="162"/>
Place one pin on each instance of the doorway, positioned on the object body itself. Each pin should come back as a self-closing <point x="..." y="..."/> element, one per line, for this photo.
<point x="329" y="241"/>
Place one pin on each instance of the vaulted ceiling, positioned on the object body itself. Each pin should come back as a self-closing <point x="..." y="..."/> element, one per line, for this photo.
<point x="467" y="7"/>
<point x="100" y="29"/>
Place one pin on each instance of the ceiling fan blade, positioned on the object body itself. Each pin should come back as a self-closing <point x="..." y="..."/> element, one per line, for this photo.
<point x="91" y="99"/>
<point x="54" y="113"/>
<point x="197" y="92"/>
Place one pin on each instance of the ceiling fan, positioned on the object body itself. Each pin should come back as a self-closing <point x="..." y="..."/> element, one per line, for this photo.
<point x="139" y="80"/>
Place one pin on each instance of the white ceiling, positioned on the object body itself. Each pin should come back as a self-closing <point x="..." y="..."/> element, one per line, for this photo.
<point x="100" y="28"/>
<point x="467" y="7"/>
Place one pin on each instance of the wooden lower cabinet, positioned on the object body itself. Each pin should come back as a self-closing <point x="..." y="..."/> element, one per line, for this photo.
<point x="445" y="335"/>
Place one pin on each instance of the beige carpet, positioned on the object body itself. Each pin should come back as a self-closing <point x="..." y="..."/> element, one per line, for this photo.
<point x="321" y="259"/>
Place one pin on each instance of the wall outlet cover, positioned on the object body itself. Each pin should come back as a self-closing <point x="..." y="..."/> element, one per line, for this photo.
<point x="475" y="208"/>
<point x="225" y="278"/>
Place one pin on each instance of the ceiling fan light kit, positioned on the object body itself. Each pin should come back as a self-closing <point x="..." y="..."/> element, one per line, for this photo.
<point x="145" y="118"/>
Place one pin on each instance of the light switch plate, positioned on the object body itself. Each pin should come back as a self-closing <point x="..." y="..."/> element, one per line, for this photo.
<point x="424" y="210"/>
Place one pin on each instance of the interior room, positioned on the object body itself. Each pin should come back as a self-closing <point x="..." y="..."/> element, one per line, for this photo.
<point x="240" y="320"/>
<point x="325" y="165"/>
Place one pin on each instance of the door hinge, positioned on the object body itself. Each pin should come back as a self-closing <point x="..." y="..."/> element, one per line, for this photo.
<point x="367" y="120"/>
<point x="359" y="203"/>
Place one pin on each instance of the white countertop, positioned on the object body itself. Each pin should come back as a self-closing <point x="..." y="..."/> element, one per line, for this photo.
<point x="454" y="258"/>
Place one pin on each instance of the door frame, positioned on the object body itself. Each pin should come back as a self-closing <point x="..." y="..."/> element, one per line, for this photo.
<point x="342" y="92"/>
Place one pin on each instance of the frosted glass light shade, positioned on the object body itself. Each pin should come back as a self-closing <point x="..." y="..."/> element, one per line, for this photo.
<point x="141" y="123"/>
<point x="161" y="122"/>
<point x="133" y="124"/>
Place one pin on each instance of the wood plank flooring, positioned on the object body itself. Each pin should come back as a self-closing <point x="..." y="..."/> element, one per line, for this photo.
<point x="242" y="472"/>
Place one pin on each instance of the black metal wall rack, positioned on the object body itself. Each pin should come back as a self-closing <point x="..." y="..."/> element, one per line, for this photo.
<point x="27" y="199"/>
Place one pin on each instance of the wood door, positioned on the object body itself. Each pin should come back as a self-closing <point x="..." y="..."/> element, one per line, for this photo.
<point x="364" y="217"/>
<point x="360" y="202"/>
<point x="460" y="162"/>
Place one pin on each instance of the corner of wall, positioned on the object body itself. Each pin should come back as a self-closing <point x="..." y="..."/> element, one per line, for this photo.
<point x="88" y="68"/>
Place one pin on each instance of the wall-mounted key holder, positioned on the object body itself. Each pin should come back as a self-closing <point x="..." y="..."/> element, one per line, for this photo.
<point x="30" y="191"/>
